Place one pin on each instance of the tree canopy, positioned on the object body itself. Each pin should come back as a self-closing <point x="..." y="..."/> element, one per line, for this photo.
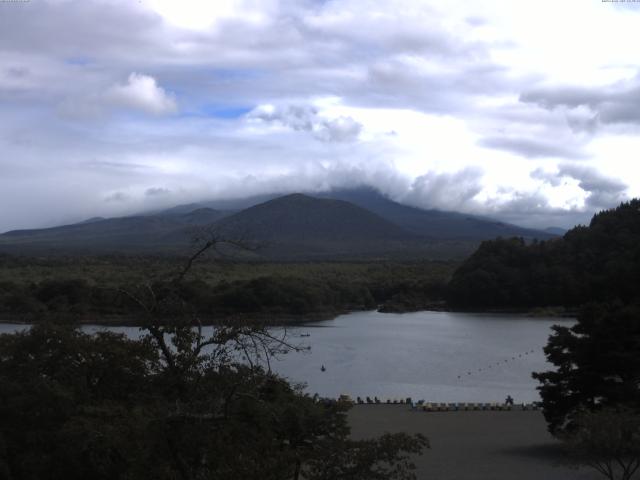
<point x="607" y="440"/>
<point x="597" y="364"/>
<point x="600" y="262"/>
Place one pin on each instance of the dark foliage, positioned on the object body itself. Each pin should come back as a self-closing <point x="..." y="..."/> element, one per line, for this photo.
<point x="607" y="440"/>
<point x="251" y="289"/>
<point x="175" y="404"/>
<point x="600" y="262"/>
<point x="597" y="365"/>
<point x="80" y="406"/>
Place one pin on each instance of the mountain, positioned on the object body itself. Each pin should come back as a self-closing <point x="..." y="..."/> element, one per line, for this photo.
<point x="338" y="224"/>
<point x="227" y="205"/>
<point x="430" y="223"/>
<point x="304" y="218"/>
<point x="300" y="225"/>
<point x="559" y="231"/>
<point x="434" y="224"/>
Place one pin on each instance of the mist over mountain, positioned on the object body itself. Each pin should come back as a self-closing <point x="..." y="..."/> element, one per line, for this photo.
<point x="432" y="223"/>
<point x="351" y="223"/>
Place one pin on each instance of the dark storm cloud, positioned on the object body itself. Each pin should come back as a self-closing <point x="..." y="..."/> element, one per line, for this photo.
<point x="117" y="197"/>
<point x="610" y="104"/>
<point x="157" y="191"/>
<point x="531" y="148"/>
<point x="552" y="178"/>
<point x="604" y="192"/>
<point x="534" y="210"/>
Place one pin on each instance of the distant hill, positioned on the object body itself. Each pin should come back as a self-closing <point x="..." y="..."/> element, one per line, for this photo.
<point x="125" y="234"/>
<point x="556" y="230"/>
<point x="226" y="205"/>
<point x="340" y="224"/>
<point x="429" y="223"/>
<point x="600" y="262"/>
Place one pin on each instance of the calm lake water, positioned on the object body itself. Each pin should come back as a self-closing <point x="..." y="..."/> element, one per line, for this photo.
<point x="436" y="356"/>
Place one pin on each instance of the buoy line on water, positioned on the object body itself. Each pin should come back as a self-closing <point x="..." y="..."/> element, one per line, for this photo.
<point x="495" y="364"/>
<point x="424" y="406"/>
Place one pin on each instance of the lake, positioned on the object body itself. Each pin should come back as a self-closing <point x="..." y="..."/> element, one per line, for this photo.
<point x="436" y="356"/>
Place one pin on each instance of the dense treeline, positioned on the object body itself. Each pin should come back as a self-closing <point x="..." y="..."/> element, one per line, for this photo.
<point x="265" y="290"/>
<point x="79" y="406"/>
<point x="600" y="262"/>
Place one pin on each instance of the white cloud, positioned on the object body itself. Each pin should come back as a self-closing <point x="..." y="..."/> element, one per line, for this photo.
<point x="414" y="96"/>
<point x="141" y="92"/>
<point x="447" y="191"/>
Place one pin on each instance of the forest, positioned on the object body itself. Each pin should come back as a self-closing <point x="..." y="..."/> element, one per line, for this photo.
<point x="598" y="262"/>
<point x="94" y="289"/>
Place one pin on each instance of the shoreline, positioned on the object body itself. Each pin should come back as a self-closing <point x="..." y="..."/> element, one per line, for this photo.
<point x="278" y="319"/>
<point x="130" y="320"/>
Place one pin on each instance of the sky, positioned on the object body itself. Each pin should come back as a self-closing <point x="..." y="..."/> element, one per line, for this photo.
<point x="525" y="111"/>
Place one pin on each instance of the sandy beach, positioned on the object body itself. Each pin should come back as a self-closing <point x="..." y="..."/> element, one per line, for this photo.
<point x="474" y="445"/>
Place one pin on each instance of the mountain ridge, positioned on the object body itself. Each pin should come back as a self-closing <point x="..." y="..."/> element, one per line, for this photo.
<point x="294" y="225"/>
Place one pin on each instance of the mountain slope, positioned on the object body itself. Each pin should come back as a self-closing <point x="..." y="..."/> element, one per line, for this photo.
<point x="298" y="225"/>
<point x="435" y="224"/>
<point x="113" y="235"/>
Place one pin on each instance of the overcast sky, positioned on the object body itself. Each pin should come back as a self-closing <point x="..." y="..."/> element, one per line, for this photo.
<point x="525" y="110"/>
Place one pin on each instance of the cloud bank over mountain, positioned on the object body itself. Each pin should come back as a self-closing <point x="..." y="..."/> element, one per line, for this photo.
<point x="515" y="110"/>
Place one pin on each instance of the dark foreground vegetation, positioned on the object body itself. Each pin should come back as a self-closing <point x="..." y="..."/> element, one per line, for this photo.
<point x="592" y="399"/>
<point x="92" y="289"/>
<point x="76" y="406"/>
<point x="173" y="405"/>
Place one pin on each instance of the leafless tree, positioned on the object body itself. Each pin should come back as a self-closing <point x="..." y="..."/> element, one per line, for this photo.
<point x="176" y="328"/>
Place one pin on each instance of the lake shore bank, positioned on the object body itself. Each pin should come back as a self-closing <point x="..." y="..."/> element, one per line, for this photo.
<point x="275" y="320"/>
<point x="281" y="319"/>
<point x="473" y="445"/>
